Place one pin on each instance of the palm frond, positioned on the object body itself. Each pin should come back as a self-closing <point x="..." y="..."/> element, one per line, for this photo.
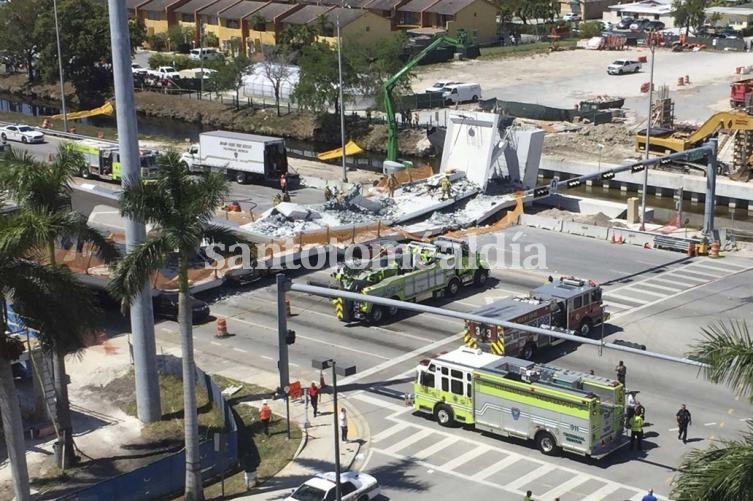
<point x="25" y="231"/>
<point x="727" y="351"/>
<point x="722" y="471"/>
<point x="145" y="202"/>
<point x="132" y="272"/>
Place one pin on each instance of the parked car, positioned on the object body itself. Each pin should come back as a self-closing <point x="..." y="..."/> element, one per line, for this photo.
<point x="571" y="18"/>
<point x="654" y="26"/>
<point x="440" y="85"/>
<point x="605" y="25"/>
<point x="137" y="69"/>
<point x="639" y="24"/>
<point x="354" y="486"/>
<point x="206" y="53"/>
<point x="621" y="66"/>
<point x="625" y="23"/>
<point x="166" y="71"/>
<point x="21" y="132"/>
<point x="460" y="93"/>
<point x="166" y="306"/>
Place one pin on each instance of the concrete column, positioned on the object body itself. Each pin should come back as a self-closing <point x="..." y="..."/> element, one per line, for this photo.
<point x="708" y="213"/>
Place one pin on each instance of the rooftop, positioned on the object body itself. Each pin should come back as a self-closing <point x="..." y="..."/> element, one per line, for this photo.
<point x="156" y="5"/>
<point x="215" y="8"/>
<point x="273" y="9"/>
<point x="193" y="5"/>
<point x="449" y="7"/>
<point x="242" y="9"/>
<point x="307" y="14"/>
<point x="416" y="5"/>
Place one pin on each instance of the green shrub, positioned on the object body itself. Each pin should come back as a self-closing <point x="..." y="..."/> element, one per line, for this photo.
<point x="590" y="29"/>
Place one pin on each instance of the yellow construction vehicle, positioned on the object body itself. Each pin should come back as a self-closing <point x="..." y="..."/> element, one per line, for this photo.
<point x="663" y="141"/>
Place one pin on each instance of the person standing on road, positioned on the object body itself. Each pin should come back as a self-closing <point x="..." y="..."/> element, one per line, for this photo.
<point x="621" y="372"/>
<point x="343" y="425"/>
<point x="636" y="431"/>
<point x="683" y="420"/>
<point x="630" y="409"/>
<point x="284" y="183"/>
<point x="265" y="416"/>
<point x="528" y="496"/>
<point x="650" y="496"/>
<point x="314" y="396"/>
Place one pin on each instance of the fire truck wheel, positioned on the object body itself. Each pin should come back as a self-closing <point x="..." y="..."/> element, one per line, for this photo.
<point x="528" y="351"/>
<point x="392" y="311"/>
<point x="240" y="177"/>
<point x="376" y="314"/>
<point x="443" y="415"/>
<point x="585" y="327"/>
<point x="85" y="172"/>
<point x="453" y="287"/>
<point x="480" y="277"/>
<point x="545" y="443"/>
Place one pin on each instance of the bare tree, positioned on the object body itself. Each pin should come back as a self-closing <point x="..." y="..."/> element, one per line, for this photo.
<point x="276" y="67"/>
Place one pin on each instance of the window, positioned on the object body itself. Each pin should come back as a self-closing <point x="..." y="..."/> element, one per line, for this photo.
<point x="427" y="379"/>
<point x="331" y="495"/>
<point x="456" y="386"/>
<point x="445" y="384"/>
<point x="212" y="20"/>
<point x="577" y="302"/>
<point x="154" y="15"/>
<point x="346" y="488"/>
<point x="596" y="296"/>
<point x="232" y="23"/>
<point x="186" y="18"/>
<point x="445" y="371"/>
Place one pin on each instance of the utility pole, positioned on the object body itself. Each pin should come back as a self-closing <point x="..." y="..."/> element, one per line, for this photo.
<point x="650" y="41"/>
<point x="202" y="27"/>
<point x="142" y="318"/>
<point x="340" y="98"/>
<point x="283" y="284"/>
<point x="60" y="67"/>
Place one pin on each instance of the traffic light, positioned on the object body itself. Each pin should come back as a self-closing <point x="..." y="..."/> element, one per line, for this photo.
<point x="290" y="337"/>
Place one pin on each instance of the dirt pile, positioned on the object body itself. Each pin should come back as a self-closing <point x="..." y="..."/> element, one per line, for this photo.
<point x="598" y="219"/>
<point x="617" y="141"/>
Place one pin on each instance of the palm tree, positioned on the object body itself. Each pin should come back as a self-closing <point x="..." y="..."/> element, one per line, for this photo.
<point x="43" y="194"/>
<point x="46" y="297"/>
<point x="181" y="207"/>
<point x="725" y="469"/>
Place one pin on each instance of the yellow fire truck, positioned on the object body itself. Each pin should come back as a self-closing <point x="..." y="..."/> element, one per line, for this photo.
<point x="567" y="303"/>
<point x="103" y="160"/>
<point x="556" y="408"/>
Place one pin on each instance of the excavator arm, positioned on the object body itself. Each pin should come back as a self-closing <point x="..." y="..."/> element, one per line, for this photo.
<point x="389" y="86"/>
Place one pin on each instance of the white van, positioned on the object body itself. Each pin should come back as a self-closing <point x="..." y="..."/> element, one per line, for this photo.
<point x="206" y="53"/>
<point x="460" y="93"/>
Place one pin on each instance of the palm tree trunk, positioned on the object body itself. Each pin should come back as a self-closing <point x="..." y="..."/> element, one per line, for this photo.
<point x="63" y="405"/>
<point x="193" y="489"/>
<point x="13" y="429"/>
<point x="62" y="408"/>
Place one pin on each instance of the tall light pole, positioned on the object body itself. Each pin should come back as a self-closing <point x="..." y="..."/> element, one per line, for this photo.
<point x="340" y="99"/>
<point x="60" y="66"/>
<point x="652" y="47"/>
<point x="601" y="149"/>
<point x="202" y="26"/>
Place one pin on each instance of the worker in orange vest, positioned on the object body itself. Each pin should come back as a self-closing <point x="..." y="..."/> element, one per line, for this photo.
<point x="265" y="416"/>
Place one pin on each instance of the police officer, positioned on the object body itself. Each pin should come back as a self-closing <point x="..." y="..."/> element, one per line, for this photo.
<point x="636" y="431"/>
<point x="683" y="420"/>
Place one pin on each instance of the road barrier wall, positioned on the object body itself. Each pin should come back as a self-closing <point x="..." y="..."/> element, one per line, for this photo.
<point x="612" y="234"/>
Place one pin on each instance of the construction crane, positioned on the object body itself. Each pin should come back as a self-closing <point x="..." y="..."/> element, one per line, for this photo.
<point x="460" y="42"/>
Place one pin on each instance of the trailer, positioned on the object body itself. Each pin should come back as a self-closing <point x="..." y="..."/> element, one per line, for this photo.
<point x="557" y="409"/>
<point x="568" y="303"/>
<point x="103" y="160"/>
<point x="243" y="157"/>
<point x="416" y="271"/>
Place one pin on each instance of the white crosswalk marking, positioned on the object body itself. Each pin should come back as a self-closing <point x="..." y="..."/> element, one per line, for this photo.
<point x="539" y="472"/>
<point x="402" y="444"/>
<point x="685" y="278"/>
<point x="650" y="293"/>
<point x="720" y="272"/>
<point x="702" y="273"/>
<point x="602" y="493"/>
<point x="662" y="287"/>
<point x="612" y="304"/>
<point x="564" y="487"/>
<point x="626" y="298"/>
<point x="430" y="451"/>
<point x="388" y="432"/>
<point x="495" y="467"/>
<point x="464" y="458"/>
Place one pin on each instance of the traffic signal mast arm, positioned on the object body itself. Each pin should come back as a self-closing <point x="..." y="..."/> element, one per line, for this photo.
<point x="389" y="86"/>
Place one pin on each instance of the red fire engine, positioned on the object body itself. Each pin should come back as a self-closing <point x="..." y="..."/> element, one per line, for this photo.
<point x="568" y="303"/>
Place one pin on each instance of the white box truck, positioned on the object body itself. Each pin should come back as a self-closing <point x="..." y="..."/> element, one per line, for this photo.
<point x="243" y="157"/>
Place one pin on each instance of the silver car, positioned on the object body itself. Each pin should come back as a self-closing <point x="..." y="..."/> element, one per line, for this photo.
<point x="22" y="133"/>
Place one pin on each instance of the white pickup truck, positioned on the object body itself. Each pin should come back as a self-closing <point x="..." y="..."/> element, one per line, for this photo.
<point x="623" y="66"/>
<point x="165" y="71"/>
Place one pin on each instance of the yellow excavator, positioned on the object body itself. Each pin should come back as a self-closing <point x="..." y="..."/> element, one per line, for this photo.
<point x="662" y="141"/>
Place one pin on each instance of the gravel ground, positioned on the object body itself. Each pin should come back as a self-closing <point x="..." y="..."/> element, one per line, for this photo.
<point x="564" y="78"/>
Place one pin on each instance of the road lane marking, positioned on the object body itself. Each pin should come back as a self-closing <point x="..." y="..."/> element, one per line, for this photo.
<point x="378" y="402"/>
<point x="650" y="293"/>
<point x="673" y="282"/>
<point x="401" y="425"/>
<point x="702" y="273"/>
<point x="241" y="350"/>
<point x="430" y="451"/>
<point x="709" y="424"/>
<point x="265" y="357"/>
<point x="215" y="343"/>
<point x="539" y="472"/>
<point x="692" y="279"/>
<point x="663" y="287"/>
<point x="617" y="305"/>
<point x="495" y="467"/>
<point x="465" y="457"/>
<point x="603" y="492"/>
<point x="408" y="441"/>
<point x="626" y="298"/>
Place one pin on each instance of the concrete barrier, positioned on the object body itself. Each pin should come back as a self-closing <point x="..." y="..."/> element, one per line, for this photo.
<point x="640" y="238"/>
<point x="546" y="223"/>
<point x="586" y="230"/>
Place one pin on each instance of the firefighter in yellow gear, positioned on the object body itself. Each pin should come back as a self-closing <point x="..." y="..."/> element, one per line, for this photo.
<point x="392" y="184"/>
<point x="276" y="200"/>
<point x="446" y="187"/>
<point x="636" y="431"/>
<point x="327" y="193"/>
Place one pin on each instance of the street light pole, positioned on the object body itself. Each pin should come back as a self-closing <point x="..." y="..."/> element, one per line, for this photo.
<point x="652" y="47"/>
<point x="341" y="101"/>
<point x="201" y="59"/>
<point x="60" y="67"/>
<point x="338" y="491"/>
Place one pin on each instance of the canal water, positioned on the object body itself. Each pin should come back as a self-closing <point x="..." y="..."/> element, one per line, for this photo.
<point x="664" y="207"/>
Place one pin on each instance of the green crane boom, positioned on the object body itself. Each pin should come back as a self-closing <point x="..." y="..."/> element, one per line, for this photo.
<point x="460" y="42"/>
